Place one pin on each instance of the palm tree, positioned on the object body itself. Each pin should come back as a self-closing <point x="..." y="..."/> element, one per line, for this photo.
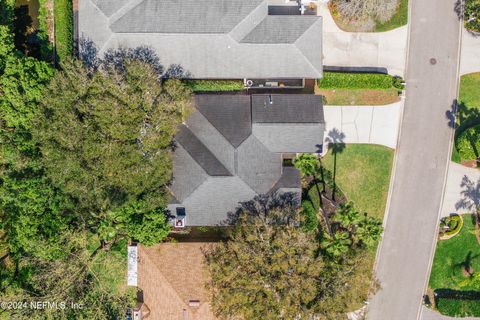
<point x="347" y="215"/>
<point x="369" y="231"/>
<point x="308" y="164"/>
<point x="335" y="142"/>
<point x="337" y="244"/>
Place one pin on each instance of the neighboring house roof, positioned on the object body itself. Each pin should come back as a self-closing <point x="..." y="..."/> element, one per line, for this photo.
<point x="170" y="275"/>
<point x="230" y="150"/>
<point x="209" y="39"/>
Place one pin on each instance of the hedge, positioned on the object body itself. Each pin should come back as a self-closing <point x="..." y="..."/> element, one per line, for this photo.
<point x="63" y="12"/>
<point x="468" y="143"/>
<point x="456" y="303"/>
<point x="342" y="80"/>
<point x="216" y="85"/>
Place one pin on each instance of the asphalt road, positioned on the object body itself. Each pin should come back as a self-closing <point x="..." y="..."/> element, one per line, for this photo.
<point x="404" y="258"/>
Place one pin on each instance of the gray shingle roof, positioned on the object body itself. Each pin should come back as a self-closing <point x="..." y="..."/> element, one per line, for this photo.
<point x="257" y="166"/>
<point x="212" y="139"/>
<point x="205" y="37"/>
<point x="291" y="137"/>
<point x="185" y="16"/>
<point x="188" y="174"/>
<point x="211" y="176"/>
<point x="279" y="29"/>
<point x="231" y="116"/>
<point x="200" y="153"/>
<point x="287" y="108"/>
<point x="290" y="179"/>
<point x="109" y="7"/>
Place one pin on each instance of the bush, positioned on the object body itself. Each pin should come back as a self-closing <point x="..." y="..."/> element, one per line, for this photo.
<point x="342" y="80"/>
<point x="468" y="143"/>
<point x="451" y="225"/>
<point x="456" y="303"/>
<point x="311" y="222"/>
<point x="215" y="85"/>
<point x="63" y="12"/>
<point x="472" y="18"/>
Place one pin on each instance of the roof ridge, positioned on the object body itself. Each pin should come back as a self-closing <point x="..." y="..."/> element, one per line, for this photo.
<point x="123" y="10"/>
<point x="237" y="34"/>
<point x="144" y="255"/>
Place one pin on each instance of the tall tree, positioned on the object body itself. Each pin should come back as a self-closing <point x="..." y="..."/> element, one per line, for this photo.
<point x="111" y="134"/>
<point x="267" y="269"/>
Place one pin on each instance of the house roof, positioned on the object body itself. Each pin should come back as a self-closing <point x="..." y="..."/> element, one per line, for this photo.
<point x="221" y="39"/>
<point x="212" y="174"/>
<point x="167" y="291"/>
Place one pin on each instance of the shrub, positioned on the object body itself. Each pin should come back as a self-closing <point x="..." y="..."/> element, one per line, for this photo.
<point x="472" y="18"/>
<point x="311" y="222"/>
<point x="451" y="225"/>
<point x="457" y="303"/>
<point x="468" y="143"/>
<point x="342" y="80"/>
<point x="215" y="85"/>
<point x="63" y="12"/>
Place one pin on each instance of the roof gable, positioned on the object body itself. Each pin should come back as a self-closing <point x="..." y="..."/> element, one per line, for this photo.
<point x="184" y="16"/>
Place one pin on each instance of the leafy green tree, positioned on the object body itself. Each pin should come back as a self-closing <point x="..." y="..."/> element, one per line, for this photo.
<point x="471" y="15"/>
<point x="307" y="164"/>
<point x="32" y="215"/>
<point x="267" y="269"/>
<point x="111" y="134"/>
<point x="90" y="277"/>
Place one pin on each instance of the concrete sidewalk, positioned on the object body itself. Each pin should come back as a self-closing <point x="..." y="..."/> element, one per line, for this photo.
<point x="363" y="49"/>
<point x="365" y="124"/>
<point x="470" y="58"/>
<point x="454" y="188"/>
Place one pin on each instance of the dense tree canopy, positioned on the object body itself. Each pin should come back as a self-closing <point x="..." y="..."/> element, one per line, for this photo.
<point x="106" y="141"/>
<point x="85" y="159"/>
<point x="472" y="15"/>
<point x="271" y="268"/>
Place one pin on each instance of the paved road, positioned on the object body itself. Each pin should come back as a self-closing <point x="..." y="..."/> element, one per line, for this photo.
<point x="405" y="253"/>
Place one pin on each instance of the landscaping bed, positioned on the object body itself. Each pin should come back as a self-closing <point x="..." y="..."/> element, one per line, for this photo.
<point x="399" y="19"/>
<point x="342" y="88"/>
<point x="450" y="226"/>
<point x="457" y="259"/>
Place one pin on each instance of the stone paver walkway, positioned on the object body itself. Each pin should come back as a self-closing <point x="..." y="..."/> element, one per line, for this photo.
<point x="365" y="124"/>
<point x="363" y="49"/>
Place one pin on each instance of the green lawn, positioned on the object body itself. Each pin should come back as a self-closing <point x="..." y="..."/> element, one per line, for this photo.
<point x="347" y="88"/>
<point x="399" y="19"/>
<point x="470" y="90"/>
<point x="468" y="107"/>
<point x="363" y="174"/>
<point x="451" y="255"/>
<point x="63" y="13"/>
